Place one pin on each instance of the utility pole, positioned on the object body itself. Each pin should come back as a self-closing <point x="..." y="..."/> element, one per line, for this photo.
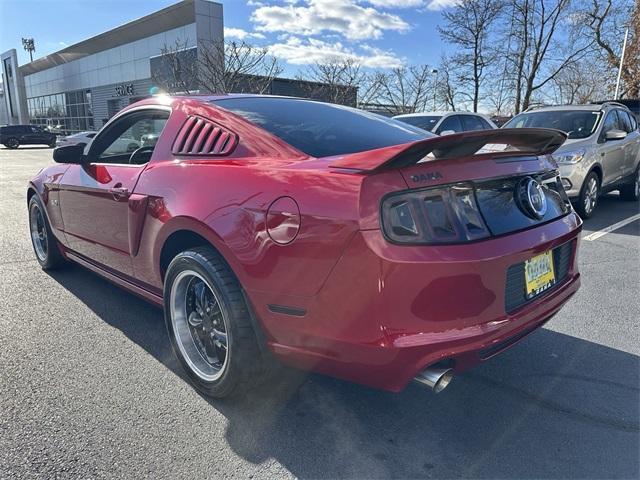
<point x="29" y="45"/>
<point x="624" y="47"/>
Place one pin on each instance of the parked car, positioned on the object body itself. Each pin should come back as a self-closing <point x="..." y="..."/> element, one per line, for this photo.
<point x="446" y="123"/>
<point x="12" y="136"/>
<point x="332" y="238"/>
<point x="83" y="138"/>
<point x="601" y="154"/>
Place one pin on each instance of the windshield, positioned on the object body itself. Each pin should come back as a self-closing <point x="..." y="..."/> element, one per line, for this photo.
<point x="322" y="129"/>
<point x="575" y="123"/>
<point x="424" y="122"/>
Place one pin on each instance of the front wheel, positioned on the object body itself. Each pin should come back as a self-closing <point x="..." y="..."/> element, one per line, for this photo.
<point x="12" y="143"/>
<point x="44" y="243"/>
<point x="631" y="192"/>
<point x="209" y="323"/>
<point x="589" y="193"/>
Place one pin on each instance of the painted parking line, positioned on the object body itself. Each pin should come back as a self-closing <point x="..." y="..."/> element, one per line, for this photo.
<point x="596" y="235"/>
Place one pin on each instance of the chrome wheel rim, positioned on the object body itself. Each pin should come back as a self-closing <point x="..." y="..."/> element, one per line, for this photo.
<point x="12" y="143"/>
<point x="38" y="232"/>
<point x="591" y="195"/>
<point x="199" y="325"/>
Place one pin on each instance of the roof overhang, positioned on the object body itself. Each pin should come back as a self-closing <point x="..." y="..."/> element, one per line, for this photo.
<point x="173" y="16"/>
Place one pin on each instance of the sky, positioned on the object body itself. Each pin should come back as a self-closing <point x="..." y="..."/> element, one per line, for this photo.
<point x="377" y="33"/>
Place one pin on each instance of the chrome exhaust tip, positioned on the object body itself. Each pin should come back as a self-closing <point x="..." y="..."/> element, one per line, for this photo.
<point x="437" y="379"/>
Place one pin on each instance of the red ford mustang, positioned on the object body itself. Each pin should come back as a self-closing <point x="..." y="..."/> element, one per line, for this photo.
<point x="335" y="239"/>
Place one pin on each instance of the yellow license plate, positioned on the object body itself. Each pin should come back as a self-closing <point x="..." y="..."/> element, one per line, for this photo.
<point x="539" y="274"/>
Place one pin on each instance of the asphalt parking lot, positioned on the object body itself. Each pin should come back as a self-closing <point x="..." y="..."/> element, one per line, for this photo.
<point x="89" y="387"/>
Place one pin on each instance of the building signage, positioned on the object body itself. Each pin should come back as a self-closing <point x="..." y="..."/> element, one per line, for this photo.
<point x="125" y="90"/>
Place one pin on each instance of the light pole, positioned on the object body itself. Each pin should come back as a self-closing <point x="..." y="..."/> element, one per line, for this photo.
<point x="624" y="47"/>
<point x="435" y="86"/>
<point x="30" y="46"/>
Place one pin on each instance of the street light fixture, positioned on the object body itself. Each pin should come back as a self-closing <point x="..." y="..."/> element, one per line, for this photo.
<point x="29" y="45"/>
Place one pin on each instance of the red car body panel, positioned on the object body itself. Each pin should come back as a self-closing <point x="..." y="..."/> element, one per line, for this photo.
<point x="304" y="233"/>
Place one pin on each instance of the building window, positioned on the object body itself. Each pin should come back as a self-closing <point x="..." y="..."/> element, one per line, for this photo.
<point x="63" y="113"/>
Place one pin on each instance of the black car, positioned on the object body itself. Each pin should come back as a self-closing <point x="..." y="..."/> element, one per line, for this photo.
<point x="12" y="136"/>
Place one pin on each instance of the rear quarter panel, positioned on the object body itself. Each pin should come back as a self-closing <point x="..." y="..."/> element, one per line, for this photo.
<point x="226" y="200"/>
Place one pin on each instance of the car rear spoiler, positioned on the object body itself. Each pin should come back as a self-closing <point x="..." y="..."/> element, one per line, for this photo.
<point x="513" y="141"/>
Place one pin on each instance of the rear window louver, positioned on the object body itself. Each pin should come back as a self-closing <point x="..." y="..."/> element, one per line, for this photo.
<point x="199" y="136"/>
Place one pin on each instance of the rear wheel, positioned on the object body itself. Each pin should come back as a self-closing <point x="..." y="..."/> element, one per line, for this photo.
<point x="631" y="191"/>
<point x="52" y="144"/>
<point x="44" y="243"/>
<point x="589" y="193"/>
<point x="12" y="143"/>
<point x="209" y="323"/>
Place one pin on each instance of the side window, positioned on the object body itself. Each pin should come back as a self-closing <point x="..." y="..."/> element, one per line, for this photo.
<point x="485" y="124"/>
<point x="610" y="123"/>
<point x="134" y="132"/>
<point x="471" y="122"/>
<point x="625" y="121"/>
<point x="450" y="123"/>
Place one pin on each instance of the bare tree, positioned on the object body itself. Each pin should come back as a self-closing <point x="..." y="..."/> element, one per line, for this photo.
<point x="247" y="68"/>
<point x="468" y="26"/>
<point x="177" y="68"/>
<point x="405" y="89"/>
<point x="543" y="47"/>
<point x="607" y="21"/>
<point x="217" y="67"/>
<point x="449" y="91"/>
<point x="579" y="83"/>
<point x="342" y="81"/>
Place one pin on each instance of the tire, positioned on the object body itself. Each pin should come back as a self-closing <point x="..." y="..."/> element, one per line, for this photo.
<point x="218" y="350"/>
<point x="12" y="143"/>
<point x="45" y="245"/>
<point x="631" y="191"/>
<point x="52" y="144"/>
<point x="589" y="194"/>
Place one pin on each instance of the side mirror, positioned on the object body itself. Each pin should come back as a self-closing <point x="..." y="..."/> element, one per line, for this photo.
<point x="615" y="134"/>
<point x="69" y="154"/>
<point x="447" y="132"/>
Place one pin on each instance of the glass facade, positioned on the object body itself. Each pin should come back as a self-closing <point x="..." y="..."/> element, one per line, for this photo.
<point x="63" y="113"/>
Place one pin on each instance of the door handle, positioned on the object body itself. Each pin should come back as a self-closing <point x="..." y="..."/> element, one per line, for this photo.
<point x="119" y="192"/>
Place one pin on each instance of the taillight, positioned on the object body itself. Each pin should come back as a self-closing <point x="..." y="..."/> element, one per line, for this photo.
<point x="433" y="216"/>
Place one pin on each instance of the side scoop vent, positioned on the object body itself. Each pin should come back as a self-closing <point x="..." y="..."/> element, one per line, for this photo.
<point x="199" y="136"/>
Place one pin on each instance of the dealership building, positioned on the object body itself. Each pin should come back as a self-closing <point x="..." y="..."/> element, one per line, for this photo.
<point x="80" y="87"/>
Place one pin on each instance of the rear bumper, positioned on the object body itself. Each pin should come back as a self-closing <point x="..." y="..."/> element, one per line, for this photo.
<point x="387" y="311"/>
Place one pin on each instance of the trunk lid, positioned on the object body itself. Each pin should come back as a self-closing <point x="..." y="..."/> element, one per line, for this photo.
<point x="496" y="165"/>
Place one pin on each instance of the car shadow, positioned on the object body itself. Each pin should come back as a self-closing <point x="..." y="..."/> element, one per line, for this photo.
<point x="611" y="209"/>
<point x="555" y="406"/>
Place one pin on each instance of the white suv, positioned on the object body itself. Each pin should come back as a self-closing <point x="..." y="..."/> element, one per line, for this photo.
<point x="443" y="123"/>
<point x="601" y="154"/>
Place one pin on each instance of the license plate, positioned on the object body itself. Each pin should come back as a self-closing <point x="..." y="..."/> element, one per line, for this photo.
<point x="539" y="274"/>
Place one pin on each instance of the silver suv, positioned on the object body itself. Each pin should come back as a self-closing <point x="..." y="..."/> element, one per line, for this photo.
<point x="601" y="154"/>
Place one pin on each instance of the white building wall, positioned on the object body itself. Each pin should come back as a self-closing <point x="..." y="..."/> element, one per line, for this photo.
<point x="122" y="64"/>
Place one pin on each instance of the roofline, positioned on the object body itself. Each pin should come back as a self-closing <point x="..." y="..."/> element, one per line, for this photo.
<point x="584" y="106"/>
<point x="429" y="114"/>
<point x="174" y="16"/>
